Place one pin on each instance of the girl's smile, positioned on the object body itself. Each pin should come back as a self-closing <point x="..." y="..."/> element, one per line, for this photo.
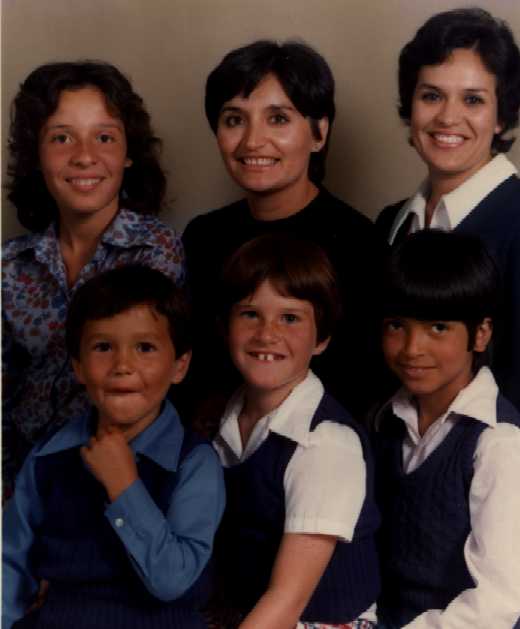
<point x="272" y="338"/>
<point x="83" y="156"/>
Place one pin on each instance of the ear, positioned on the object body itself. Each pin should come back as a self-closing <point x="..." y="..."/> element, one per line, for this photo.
<point x="321" y="347"/>
<point x="128" y="162"/>
<point x="483" y="335"/>
<point x="180" y="367"/>
<point x="323" y="126"/>
<point x="78" y="371"/>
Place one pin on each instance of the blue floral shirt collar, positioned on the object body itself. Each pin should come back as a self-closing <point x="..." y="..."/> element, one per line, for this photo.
<point x="124" y="231"/>
<point x="161" y="441"/>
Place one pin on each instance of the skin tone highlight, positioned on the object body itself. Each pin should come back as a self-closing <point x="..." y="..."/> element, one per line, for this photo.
<point x="83" y="156"/>
<point x="432" y="360"/>
<point x="454" y="118"/>
<point x="127" y="363"/>
<point x="266" y="145"/>
<point x="272" y="338"/>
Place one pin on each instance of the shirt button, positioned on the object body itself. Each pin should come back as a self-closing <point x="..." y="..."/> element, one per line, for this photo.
<point x="119" y="522"/>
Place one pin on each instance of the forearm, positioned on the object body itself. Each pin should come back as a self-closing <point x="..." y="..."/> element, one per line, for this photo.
<point x="275" y="610"/>
<point x="169" y="551"/>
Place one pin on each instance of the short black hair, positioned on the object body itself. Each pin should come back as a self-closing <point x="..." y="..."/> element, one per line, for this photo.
<point x="296" y="267"/>
<point x="472" y="28"/>
<point x="445" y="276"/>
<point x="303" y="73"/>
<point x="112" y="292"/>
<point x="144" y="182"/>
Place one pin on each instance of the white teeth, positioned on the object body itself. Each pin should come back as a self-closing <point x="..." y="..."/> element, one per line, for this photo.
<point x="448" y="139"/>
<point x="259" y="161"/>
<point x="266" y="357"/>
<point x="85" y="182"/>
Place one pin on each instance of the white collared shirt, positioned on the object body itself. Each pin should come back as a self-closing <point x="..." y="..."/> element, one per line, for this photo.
<point x="492" y="549"/>
<point x="325" y="480"/>
<point x="453" y="207"/>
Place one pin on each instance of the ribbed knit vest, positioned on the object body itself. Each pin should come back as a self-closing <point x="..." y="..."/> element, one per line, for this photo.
<point x="426" y="518"/>
<point x="92" y="581"/>
<point x="253" y="527"/>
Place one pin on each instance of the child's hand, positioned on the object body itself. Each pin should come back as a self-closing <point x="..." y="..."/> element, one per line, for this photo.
<point x="111" y="460"/>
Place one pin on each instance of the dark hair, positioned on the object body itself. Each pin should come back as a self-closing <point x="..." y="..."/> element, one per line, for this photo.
<point x="297" y="268"/>
<point x="446" y="276"/>
<point x="466" y="28"/>
<point x="144" y="182"/>
<point x="303" y="73"/>
<point x="112" y="292"/>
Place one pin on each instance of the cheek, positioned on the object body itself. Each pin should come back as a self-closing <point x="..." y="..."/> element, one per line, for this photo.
<point x="227" y="140"/>
<point x="391" y="346"/>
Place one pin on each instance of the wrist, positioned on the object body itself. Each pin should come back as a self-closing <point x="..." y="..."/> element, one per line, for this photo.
<point x="117" y="486"/>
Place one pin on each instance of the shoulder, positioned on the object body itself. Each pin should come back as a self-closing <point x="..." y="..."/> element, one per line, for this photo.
<point x="149" y="225"/>
<point x="386" y="217"/>
<point x="214" y="218"/>
<point x="197" y="452"/>
<point x="14" y="247"/>
<point x="329" y="206"/>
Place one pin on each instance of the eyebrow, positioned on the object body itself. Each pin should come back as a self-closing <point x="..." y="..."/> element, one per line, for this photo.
<point x="102" y="125"/>
<point x="273" y="107"/>
<point x="432" y="86"/>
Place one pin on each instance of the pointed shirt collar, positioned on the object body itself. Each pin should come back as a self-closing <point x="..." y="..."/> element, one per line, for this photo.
<point x="457" y="204"/>
<point x="291" y="419"/>
<point x="478" y="400"/>
<point x="161" y="441"/>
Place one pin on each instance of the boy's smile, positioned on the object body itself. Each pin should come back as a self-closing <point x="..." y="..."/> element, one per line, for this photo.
<point x="272" y="339"/>
<point x="432" y="358"/>
<point x="127" y="363"/>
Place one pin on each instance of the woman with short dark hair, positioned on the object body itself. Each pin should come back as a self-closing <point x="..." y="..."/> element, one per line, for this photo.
<point x="86" y="181"/>
<point x="459" y="87"/>
<point x="271" y="107"/>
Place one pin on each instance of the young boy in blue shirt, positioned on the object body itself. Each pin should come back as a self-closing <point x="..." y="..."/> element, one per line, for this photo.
<point x="447" y="444"/>
<point x="117" y="510"/>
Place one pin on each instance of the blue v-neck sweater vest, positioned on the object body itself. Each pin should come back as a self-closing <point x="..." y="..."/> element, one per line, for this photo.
<point x="426" y="518"/>
<point x="92" y="581"/>
<point x="253" y="527"/>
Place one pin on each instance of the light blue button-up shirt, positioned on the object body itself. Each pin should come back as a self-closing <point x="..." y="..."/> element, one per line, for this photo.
<point x="168" y="552"/>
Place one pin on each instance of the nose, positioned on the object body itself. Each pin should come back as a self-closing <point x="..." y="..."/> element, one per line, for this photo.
<point x="84" y="154"/>
<point x="267" y="331"/>
<point x="413" y="343"/>
<point x="254" y="135"/>
<point x="122" y="362"/>
<point x="449" y="112"/>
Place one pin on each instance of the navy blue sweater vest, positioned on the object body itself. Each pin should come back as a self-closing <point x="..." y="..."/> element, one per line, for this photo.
<point x="253" y="527"/>
<point x="92" y="581"/>
<point x="426" y="518"/>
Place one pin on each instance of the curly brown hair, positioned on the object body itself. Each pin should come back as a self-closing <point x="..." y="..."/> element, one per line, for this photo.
<point x="144" y="183"/>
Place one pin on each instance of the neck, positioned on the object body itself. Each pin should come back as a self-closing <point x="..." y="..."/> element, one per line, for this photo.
<point x="431" y="408"/>
<point x="257" y="404"/>
<point x="78" y="239"/>
<point x="279" y="204"/>
<point x="441" y="184"/>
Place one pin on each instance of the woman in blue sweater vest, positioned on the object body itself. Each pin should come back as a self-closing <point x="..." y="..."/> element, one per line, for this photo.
<point x="459" y="91"/>
<point x="296" y="547"/>
<point x="447" y="444"/>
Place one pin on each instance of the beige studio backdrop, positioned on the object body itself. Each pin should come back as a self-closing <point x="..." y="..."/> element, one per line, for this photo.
<point x="167" y="47"/>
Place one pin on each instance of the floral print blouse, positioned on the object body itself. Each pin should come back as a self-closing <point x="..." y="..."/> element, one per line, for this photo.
<point x="39" y="388"/>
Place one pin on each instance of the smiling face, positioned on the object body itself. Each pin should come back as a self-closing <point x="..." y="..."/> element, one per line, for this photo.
<point x="431" y="358"/>
<point x="272" y="339"/>
<point x="265" y="141"/>
<point x="127" y="363"/>
<point x="454" y="117"/>
<point x="82" y="150"/>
